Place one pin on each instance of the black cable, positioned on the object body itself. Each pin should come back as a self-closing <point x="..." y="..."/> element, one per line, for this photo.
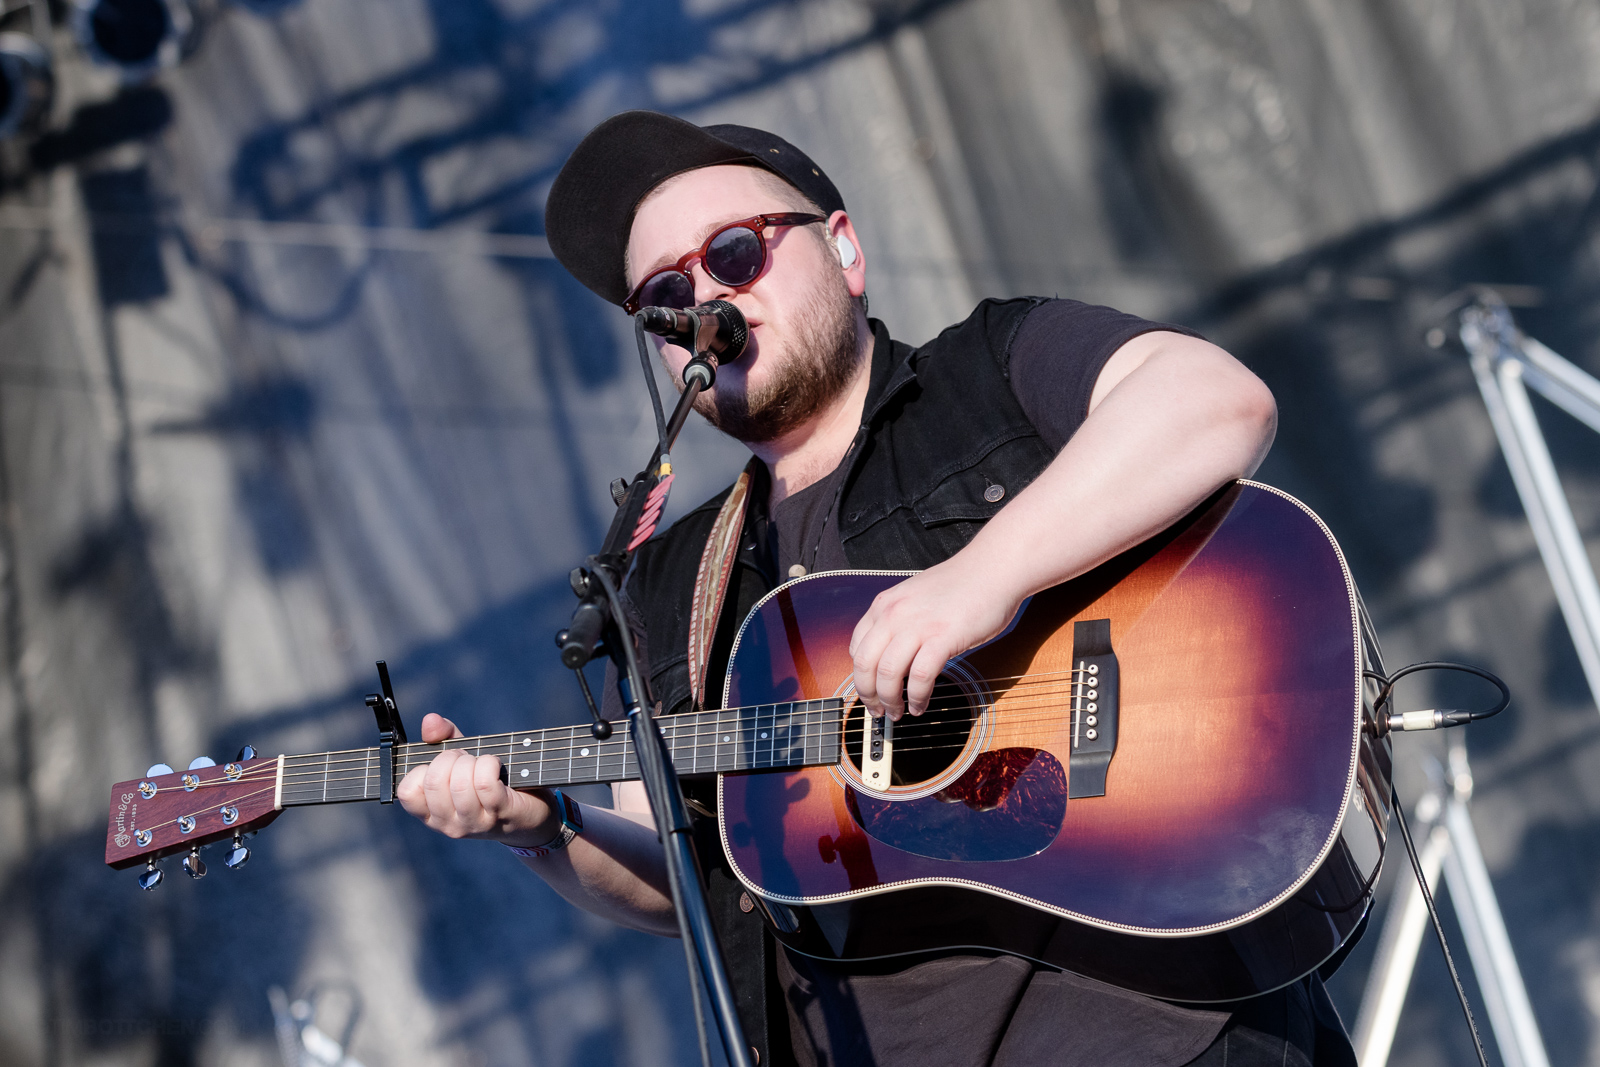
<point x="1441" y="718"/>
<point x="648" y="366"/>
<point x="1433" y="913"/>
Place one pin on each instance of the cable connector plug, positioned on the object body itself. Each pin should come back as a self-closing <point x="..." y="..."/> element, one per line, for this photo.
<point x="1429" y="719"/>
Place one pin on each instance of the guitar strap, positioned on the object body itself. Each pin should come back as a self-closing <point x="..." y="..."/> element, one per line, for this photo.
<point x="748" y="948"/>
<point x="711" y="584"/>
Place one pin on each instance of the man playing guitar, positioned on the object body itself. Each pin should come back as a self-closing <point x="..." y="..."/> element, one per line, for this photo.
<point x="1020" y="448"/>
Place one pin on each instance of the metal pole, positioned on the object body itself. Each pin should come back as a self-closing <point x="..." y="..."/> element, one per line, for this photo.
<point x="1503" y="361"/>
<point x="1403" y="927"/>
<point x="1484" y="929"/>
<point x="1451" y="847"/>
<point x="1500" y="365"/>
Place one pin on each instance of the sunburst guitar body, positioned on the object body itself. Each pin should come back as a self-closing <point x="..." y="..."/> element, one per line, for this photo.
<point x="1158" y="777"/>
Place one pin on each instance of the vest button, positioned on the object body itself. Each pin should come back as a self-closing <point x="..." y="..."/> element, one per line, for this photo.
<point x="994" y="493"/>
<point x="746" y="905"/>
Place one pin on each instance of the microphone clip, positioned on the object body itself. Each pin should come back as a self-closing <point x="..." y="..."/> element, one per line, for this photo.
<point x="702" y="369"/>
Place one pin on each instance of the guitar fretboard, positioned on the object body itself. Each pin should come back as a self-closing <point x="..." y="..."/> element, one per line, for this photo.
<point x="762" y="737"/>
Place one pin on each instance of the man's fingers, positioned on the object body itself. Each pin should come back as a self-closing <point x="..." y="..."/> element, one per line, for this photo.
<point x="890" y="679"/>
<point x="436" y="777"/>
<point x="436" y="728"/>
<point x="921" y="677"/>
<point x="409" y="792"/>
<point x="486" y="779"/>
<point x="863" y="627"/>
<point x="868" y="653"/>
<point x="463" y="789"/>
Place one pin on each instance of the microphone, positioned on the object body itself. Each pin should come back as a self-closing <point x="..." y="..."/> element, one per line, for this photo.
<point x="715" y="327"/>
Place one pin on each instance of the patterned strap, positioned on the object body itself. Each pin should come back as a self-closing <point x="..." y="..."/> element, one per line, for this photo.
<point x="711" y="584"/>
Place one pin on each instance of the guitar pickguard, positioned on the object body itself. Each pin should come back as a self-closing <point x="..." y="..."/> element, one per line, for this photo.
<point x="1007" y="806"/>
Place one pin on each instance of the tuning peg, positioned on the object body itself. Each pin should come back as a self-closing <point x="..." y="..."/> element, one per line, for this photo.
<point x="247" y="752"/>
<point x="201" y="761"/>
<point x="151" y="876"/>
<point x="193" y="865"/>
<point x="237" y="855"/>
<point x="155" y="769"/>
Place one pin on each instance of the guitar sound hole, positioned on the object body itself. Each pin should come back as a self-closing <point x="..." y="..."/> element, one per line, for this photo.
<point x="924" y="745"/>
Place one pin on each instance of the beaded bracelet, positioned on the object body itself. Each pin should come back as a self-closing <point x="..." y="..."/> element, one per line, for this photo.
<point x="571" y="826"/>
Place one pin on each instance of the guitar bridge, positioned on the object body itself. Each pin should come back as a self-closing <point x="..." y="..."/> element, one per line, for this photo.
<point x="1094" y="708"/>
<point x="877" y="750"/>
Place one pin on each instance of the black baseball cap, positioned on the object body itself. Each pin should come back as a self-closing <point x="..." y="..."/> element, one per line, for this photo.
<point x="590" y="210"/>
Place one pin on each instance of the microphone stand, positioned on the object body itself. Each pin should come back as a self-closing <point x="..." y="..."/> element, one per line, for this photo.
<point x="598" y="626"/>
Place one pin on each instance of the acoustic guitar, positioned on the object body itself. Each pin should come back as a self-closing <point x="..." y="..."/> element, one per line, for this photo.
<point x="1160" y="776"/>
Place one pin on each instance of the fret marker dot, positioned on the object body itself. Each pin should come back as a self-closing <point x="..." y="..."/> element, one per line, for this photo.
<point x="526" y="741"/>
<point x="524" y="772"/>
<point x="725" y="737"/>
<point x="583" y="752"/>
<point x="763" y="735"/>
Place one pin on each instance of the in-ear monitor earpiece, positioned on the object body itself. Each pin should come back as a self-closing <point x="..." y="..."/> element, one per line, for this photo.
<point x="847" y="251"/>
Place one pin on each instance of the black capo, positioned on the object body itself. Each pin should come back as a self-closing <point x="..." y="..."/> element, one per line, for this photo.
<point x="391" y="732"/>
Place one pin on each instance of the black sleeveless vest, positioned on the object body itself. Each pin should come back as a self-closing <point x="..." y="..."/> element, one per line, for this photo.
<point x="943" y="445"/>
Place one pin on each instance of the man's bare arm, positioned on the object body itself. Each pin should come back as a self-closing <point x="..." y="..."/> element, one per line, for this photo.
<point x="614" y="868"/>
<point x="1171" y="419"/>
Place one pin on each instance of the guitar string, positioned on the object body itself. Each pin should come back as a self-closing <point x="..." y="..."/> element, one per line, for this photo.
<point x="330" y="790"/>
<point x="1031" y="679"/>
<point x="757" y="762"/>
<point x="716" y="725"/>
<point x="573" y="732"/>
<point x="704" y="729"/>
<point x="314" y="766"/>
<point x="328" y="782"/>
<point x="294" y="781"/>
<point x="315" y="772"/>
<point x="571" y="743"/>
<point x="199" y="811"/>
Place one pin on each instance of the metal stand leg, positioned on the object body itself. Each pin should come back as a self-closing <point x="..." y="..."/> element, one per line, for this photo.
<point x="1488" y="947"/>
<point x="1403" y="927"/>
<point x="1451" y="845"/>
<point x="1505" y="362"/>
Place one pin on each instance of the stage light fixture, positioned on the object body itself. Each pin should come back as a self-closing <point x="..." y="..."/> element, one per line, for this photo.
<point x="138" y="36"/>
<point x="27" y="84"/>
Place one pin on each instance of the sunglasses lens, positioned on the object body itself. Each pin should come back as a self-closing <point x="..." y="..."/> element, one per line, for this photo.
<point x="668" y="289"/>
<point x="735" y="256"/>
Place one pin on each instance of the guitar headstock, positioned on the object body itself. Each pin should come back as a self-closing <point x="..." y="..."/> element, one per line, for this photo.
<point x="179" y="811"/>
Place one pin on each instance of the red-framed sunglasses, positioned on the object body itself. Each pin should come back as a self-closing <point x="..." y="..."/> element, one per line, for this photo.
<point x="734" y="255"/>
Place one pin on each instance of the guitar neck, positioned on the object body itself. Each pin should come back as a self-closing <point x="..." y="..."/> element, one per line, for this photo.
<point x="765" y="737"/>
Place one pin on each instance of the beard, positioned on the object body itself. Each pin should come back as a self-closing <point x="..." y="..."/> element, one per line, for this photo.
<point x="817" y="367"/>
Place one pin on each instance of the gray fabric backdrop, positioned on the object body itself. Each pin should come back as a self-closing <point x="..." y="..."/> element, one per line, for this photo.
<point x="235" y="472"/>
